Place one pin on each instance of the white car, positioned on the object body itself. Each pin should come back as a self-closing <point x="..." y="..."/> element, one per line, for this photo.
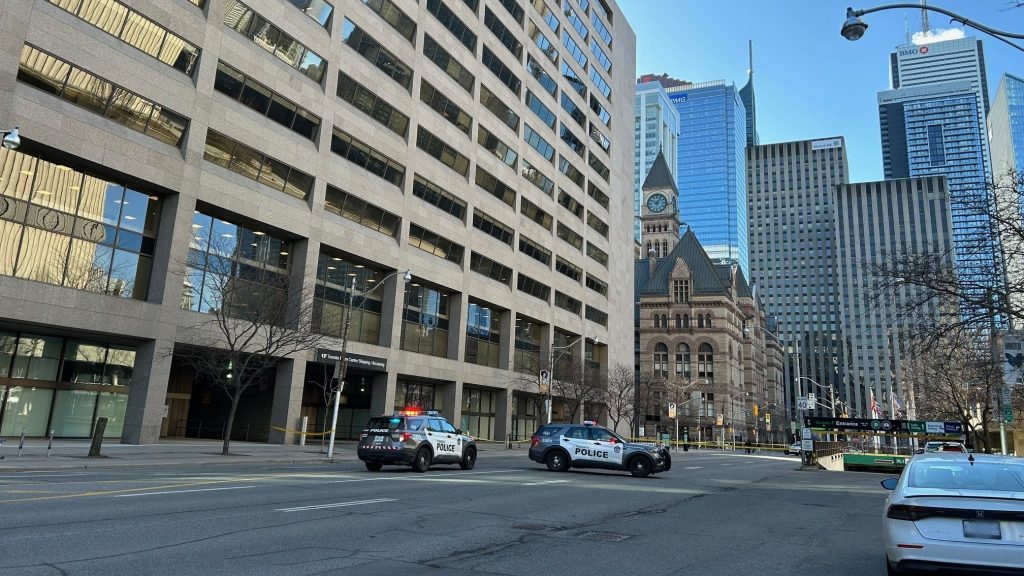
<point x="795" y="448"/>
<point x="957" y="513"/>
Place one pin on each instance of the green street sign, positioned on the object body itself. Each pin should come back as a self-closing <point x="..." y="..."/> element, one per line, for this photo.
<point x="1008" y="414"/>
<point x="916" y="425"/>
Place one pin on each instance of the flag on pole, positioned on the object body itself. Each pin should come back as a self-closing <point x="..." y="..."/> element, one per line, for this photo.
<point x="874" y="405"/>
<point x="897" y="407"/>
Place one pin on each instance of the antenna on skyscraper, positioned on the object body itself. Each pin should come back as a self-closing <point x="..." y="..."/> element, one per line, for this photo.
<point x="924" y="18"/>
<point x="906" y="30"/>
<point x="750" y="52"/>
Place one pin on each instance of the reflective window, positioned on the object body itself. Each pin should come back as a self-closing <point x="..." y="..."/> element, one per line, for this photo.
<point x="596" y="316"/>
<point x="444" y="106"/>
<point x="597" y="285"/>
<point x="371" y="104"/>
<point x="514" y="9"/>
<point x="538" y="143"/>
<point x="543" y="112"/>
<point x="567" y="268"/>
<point x="566" y="302"/>
<point x="433" y="243"/>
<point x="435" y="195"/>
<point x="255" y="165"/>
<point x="449" y="20"/>
<point x="601" y="169"/>
<point x="236" y="271"/>
<point x="489" y="268"/>
<point x="502" y="72"/>
<point x="436" y="147"/>
<point x="445" y="61"/>
<point x="246" y="21"/>
<point x="138" y="31"/>
<point x="573" y="141"/>
<point x="394" y="16"/>
<point x="537" y="178"/>
<point x="496" y="187"/>
<point x="566" y="167"/>
<point x="492" y="227"/>
<point x="97" y="95"/>
<point x="64" y="227"/>
<point x="534" y="288"/>
<point x="574" y="80"/>
<point x="483" y="340"/>
<point x="542" y="76"/>
<point x="361" y="212"/>
<point x="596" y="193"/>
<point x="600" y="82"/>
<point x="504" y="35"/>
<point x="376" y="54"/>
<point x="570" y="236"/>
<point x="602" y="31"/>
<point x="333" y="294"/>
<point x="534" y="250"/>
<point x="425" y="321"/>
<point x="535" y="213"/>
<point x="597" y="224"/>
<point x="602" y="112"/>
<point x="495" y="146"/>
<point x="499" y="108"/>
<point x="600" y="56"/>
<point x="237" y="86"/>
<point x="574" y="50"/>
<point x="598" y="255"/>
<point x="370" y="159"/>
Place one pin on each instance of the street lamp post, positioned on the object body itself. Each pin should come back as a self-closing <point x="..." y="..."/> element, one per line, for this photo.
<point x="854" y="28"/>
<point x="341" y="364"/>
<point x="552" y="358"/>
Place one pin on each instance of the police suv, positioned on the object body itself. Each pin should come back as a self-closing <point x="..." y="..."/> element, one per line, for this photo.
<point x="587" y="445"/>
<point x="414" y="438"/>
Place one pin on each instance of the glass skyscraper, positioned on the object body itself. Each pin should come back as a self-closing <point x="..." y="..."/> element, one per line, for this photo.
<point x="1006" y="133"/>
<point x="711" y="167"/>
<point x="655" y="127"/>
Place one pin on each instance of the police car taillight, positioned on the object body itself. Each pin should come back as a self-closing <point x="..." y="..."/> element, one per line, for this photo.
<point x="405" y="436"/>
<point x="534" y="440"/>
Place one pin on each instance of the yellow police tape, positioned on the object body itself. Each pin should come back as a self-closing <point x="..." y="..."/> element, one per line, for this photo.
<point x="301" y="432"/>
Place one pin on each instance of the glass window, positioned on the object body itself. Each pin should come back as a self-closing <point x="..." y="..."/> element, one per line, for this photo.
<point x="37" y="357"/>
<point x="73" y="413"/>
<point x="444" y="60"/>
<point x="26" y="410"/>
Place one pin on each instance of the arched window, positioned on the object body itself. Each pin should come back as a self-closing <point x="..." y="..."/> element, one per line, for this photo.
<point x="706" y="362"/>
<point x="661" y="360"/>
<point x="686" y="320"/>
<point x="664" y="320"/>
<point x="700" y="320"/>
<point x="648" y="248"/>
<point x="664" y="247"/>
<point x="679" y="321"/>
<point x="683" y="360"/>
<point x="707" y="321"/>
<point x="657" y="321"/>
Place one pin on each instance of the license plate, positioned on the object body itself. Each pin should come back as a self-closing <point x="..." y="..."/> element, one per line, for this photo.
<point x="987" y="529"/>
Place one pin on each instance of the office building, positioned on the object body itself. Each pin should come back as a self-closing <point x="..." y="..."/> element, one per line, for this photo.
<point x="655" y="129"/>
<point x="711" y="167"/>
<point x="750" y="103"/>
<point x="873" y="222"/>
<point x="1006" y="141"/>
<point x="933" y="130"/>
<point x="331" y="144"/>
<point x="791" y="204"/>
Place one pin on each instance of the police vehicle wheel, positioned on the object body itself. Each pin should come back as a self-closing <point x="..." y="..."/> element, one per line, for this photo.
<point x="639" y="467"/>
<point x="668" y="461"/>
<point x="422" y="461"/>
<point x="557" y="461"/>
<point x="468" y="459"/>
<point x="374" y="466"/>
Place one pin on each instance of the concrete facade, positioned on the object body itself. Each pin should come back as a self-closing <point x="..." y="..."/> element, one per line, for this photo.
<point x="58" y="130"/>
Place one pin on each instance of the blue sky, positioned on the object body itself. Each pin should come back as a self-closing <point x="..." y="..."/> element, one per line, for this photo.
<point x="810" y="82"/>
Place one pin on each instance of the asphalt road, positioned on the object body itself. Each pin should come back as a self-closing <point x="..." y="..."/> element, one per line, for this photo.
<point x="712" y="514"/>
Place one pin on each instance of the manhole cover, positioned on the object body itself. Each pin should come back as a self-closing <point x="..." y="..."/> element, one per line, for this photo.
<point x="603" y="536"/>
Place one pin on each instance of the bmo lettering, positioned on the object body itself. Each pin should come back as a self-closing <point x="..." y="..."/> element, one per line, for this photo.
<point x="591" y="453"/>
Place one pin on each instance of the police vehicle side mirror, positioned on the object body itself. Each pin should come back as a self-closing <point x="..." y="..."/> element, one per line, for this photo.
<point x="458" y="431"/>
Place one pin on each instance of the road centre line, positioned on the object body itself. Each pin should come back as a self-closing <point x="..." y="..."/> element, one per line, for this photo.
<point x="417" y="477"/>
<point x="545" y="482"/>
<point x="183" y="491"/>
<point x="693" y="468"/>
<point x="335" y="505"/>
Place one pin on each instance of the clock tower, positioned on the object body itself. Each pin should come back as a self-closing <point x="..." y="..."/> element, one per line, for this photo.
<point x="659" y="213"/>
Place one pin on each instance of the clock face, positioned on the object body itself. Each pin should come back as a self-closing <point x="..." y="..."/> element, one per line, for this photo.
<point x="657" y="203"/>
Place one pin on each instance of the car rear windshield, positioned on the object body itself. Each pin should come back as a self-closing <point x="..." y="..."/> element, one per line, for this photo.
<point x="385" y="423"/>
<point x="982" y="475"/>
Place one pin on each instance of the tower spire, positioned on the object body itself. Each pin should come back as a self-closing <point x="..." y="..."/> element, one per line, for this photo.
<point x="924" y="18"/>
<point x="750" y="56"/>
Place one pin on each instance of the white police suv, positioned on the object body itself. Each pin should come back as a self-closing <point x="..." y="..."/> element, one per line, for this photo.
<point x="414" y="438"/>
<point x="587" y="445"/>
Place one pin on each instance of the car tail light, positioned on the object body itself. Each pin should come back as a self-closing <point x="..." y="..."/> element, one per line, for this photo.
<point x="405" y="436"/>
<point x="912" y="513"/>
<point x="534" y="441"/>
<point x="362" y="436"/>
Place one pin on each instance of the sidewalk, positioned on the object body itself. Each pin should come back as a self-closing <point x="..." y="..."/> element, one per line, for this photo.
<point x="72" y="454"/>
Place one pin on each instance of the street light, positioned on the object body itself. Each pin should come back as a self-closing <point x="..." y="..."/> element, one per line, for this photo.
<point x="854" y="28"/>
<point x="341" y="364"/>
<point x="551" y="367"/>
<point x="11" y="138"/>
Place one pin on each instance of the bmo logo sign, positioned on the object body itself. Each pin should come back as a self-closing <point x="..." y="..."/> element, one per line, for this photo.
<point x="913" y="50"/>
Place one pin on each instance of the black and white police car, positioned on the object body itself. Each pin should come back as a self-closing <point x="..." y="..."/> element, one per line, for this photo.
<point x="414" y="438"/>
<point x="587" y="445"/>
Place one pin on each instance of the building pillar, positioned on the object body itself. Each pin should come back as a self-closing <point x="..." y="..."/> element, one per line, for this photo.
<point x="391" y="307"/>
<point x="458" y="314"/>
<point x="147" y="394"/>
<point x="502" y="414"/>
<point x="285" y="412"/>
<point x="451" y="401"/>
<point x="506" y="340"/>
<point x="382" y="399"/>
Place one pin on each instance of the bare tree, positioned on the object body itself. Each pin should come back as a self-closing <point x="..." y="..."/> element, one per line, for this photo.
<point x="648" y="391"/>
<point x="620" y="396"/>
<point x="957" y="378"/>
<point x="578" y="385"/>
<point x="990" y="291"/>
<point x="251" y="322"/>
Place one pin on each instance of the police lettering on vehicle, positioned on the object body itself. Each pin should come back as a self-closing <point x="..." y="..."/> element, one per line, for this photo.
<point x="442" y="447"/>
<point x="379" y="430"/>
<point x="592" y="453"/>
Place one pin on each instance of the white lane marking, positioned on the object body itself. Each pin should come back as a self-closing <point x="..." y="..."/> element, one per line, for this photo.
<point x="183" y="491"/>
<point x="725" y="464"/>
<point x="417" y="477"/>
<point x="693" y="468"/>
<point x="335" y="505"/>
<point x="545" y="482"/>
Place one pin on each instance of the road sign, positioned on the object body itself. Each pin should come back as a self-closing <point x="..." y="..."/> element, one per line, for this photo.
<point x="811" y="401"/>
<point x="801" y="403"/>
<point x="545" y="377"/>
<point x="672" y="410"/>
<point x="1008" y="414"/>
<point x="720" y="420"/>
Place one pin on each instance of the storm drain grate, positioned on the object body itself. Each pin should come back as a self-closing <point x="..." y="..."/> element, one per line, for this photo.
<point x="603" y="536"/>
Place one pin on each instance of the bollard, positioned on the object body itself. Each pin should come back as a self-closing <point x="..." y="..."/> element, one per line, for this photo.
<point x="302" y="438"/>
<point x="97" y="437"/>
<point x="49" y="444"/>
<point x="21" y="442"/>
<point x="2" y="442"/>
